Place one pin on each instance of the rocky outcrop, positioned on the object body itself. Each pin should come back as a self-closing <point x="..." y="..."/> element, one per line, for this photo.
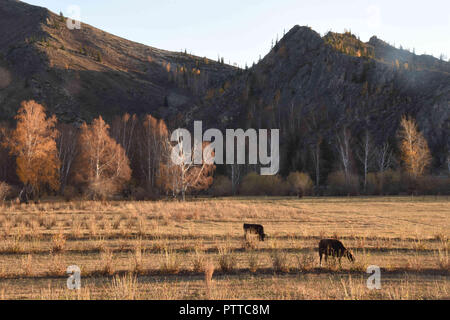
<point x="340" y="83"/>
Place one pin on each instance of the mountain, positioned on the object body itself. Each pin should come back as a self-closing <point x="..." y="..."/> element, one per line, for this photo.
<point x="79" y="74"/>
<point x="308" y="85"/>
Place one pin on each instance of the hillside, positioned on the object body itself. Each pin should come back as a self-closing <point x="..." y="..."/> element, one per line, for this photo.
<point x="79" y="74"/>
<point x="308" y="86"/>
<point x="311" y="86"/>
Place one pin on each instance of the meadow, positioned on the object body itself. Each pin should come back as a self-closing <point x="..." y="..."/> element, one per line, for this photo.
<point x="196" y="249"/>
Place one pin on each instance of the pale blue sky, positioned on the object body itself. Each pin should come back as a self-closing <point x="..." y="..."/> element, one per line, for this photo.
<point x="241" y="30"/>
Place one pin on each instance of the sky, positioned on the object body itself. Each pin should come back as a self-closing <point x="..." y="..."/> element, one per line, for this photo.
<point x="242" y="30"/>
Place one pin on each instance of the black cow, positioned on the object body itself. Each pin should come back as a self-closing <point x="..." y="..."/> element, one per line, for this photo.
<point x="335" y="248"/>
<point x="255" y="229"/>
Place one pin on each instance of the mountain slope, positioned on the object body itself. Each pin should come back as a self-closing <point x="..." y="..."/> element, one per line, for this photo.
<point x="79" y="74"/>
<point x="310" y="85"/>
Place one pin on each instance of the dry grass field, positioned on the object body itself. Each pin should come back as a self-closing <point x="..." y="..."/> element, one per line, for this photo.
<point x="196" y="249"/>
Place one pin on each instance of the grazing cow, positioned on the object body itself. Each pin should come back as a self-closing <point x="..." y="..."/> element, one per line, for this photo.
<point x="255" y="229"/>
<point x="335" y="248"/>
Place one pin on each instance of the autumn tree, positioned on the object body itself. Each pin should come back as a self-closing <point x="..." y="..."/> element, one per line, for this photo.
<point x="414" y="148"/>
<point x="185" y="175"/>
<point x="300" y="183"/>
<point x="101" y="163"/>
<point x="33" y="143"/>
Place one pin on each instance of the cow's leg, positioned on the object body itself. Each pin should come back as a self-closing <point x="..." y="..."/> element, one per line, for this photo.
<point x="320" y="255"/>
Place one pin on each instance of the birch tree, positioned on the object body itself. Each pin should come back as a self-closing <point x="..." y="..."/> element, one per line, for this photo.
<point x="365" y="154"/>
<point x="414" y="148"/>
<point x="153" y="145"/>
<point x="102" y="163"/>
<point x="384" y="157"/>
<point x="67" y="151"/>
<point x="33" y="143"/>
<point x="184" y="176"/>
<point x="344" y="151"/>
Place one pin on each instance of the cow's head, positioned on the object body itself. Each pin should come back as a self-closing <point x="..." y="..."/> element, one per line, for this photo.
<point x="350" y="256"/>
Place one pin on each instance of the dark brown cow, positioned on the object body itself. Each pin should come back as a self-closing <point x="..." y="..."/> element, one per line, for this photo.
<point x="335" y="248"/>
<point x="255" y="229"/>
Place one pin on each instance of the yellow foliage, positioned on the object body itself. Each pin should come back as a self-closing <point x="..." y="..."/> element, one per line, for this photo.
<point x="33" y="143"/>
<point x="414" y="147"/>
<point x="101" y="161"/>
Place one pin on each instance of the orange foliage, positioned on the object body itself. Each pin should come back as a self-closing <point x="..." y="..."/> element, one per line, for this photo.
<point x="414" y="147"/>
<point x="33" y="143"/>
<point x="101" y="161"/>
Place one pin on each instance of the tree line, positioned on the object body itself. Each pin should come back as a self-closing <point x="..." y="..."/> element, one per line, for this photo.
<point x="130" y="158"/>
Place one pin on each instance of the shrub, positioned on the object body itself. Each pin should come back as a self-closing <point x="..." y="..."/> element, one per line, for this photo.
<point x="299" y="183"/>
<point x="108" y="263"/>
<point x="124" y="288"/>
<point x="27" y="265"/>
<point x="170" y="262"/>
<point x="142" y="194"/>
<point x="209" y="271"/>
<point x="198" y="261"/>
<point x="253" y="261"/>
<point x="227" y="259"/>
<point x="280" y="261"/>
<point x="5" y="190"/>
<point x="340" y="185"/>
<point x="221" y="187"/>
<point x="433" y="185"/>
<point x="393" y="183"/>
<point x="101" y="190"/>
<point x="257" y="185"/>
<point x="305" y="262"/>
<point x="57" y="265"/>
<point x="69" y="193"/>
<point x="58" y="242"/>
<point x="374" y="185"/>
<point x="387" y="183"/>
